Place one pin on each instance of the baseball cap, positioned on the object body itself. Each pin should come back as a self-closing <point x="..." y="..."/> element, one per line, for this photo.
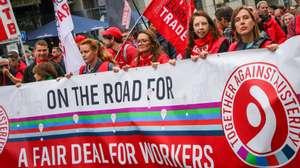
<point x="13" y="53"/>
<point x="113" y="31"/>
<point x="80" y="38"/>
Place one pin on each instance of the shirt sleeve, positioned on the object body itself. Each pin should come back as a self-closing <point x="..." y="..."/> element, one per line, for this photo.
<point x="131" y="53"/>
<point x="19" y="75"/>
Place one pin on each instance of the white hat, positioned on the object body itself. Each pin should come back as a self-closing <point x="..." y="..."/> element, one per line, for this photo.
<point x="3" y="61"/>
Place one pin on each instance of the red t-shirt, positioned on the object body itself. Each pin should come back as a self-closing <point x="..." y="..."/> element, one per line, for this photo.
<point x="127" y="58"/>
<point x="274" y="31"/>
<point x="147" y="60"/>
<point x="22" y="66"/>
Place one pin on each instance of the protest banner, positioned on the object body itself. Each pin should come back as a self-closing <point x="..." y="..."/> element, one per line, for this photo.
<point x="237" y="109"/>
<point x="126" y="17"/>
<point x="65" y="26"/>
<point x="8" y="25"/>
<point x="171" y="18"/>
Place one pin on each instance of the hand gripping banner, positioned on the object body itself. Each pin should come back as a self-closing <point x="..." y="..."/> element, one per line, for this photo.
<point x="237" y="109"/>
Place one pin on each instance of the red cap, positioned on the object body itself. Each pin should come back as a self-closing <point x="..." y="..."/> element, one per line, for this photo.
<point x="113" y="31"/>
<point x="80" y="38"/>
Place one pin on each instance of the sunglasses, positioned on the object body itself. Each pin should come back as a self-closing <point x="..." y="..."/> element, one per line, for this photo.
<point x="109" y="37"/>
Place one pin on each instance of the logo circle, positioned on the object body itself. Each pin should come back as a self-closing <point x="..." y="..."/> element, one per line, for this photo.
<point x="260" y="115"/>
<point x="4" y="128"/>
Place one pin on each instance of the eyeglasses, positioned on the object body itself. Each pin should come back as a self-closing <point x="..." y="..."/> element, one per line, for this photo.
<point x="143" y="41"/>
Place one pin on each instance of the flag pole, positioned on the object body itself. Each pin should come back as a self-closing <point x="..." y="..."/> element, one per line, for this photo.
<point x="23" y="50"/>
<point x="136" y="8"/>
<point x="131" y="30"/>
<point x="19" y="34"/>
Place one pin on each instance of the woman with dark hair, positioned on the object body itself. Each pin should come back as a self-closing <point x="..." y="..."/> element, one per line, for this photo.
<point x="204" y="37"/>
<point x="247" y="33"/>
<point x="95" y="56"/>
<point x="44" y="71"/>
<point x="149" y="51"/>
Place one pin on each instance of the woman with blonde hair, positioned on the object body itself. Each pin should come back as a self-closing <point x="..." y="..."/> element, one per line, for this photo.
<point x="95" y="56"/>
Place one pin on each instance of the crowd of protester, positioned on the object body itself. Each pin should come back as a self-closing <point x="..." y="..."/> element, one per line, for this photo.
<point x="247" y="27"/>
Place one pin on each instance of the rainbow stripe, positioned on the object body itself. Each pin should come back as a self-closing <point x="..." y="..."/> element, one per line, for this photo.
<point x="188" y="120"/>
<point x="279" y="157"/>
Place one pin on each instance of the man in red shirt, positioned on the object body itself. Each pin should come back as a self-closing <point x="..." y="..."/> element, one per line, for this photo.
<point x="269" y="25"/>
<point x="8" y="75"/>
<point x="123" y="53"/>
<point x="41" y="52"/>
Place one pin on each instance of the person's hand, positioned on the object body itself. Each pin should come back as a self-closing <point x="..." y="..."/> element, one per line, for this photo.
<point x="272" y="47"/>
<point x="5" y="71"/>
<point x="203" y="54"/>
<point x="58" y="79"/>
<point x="172" y="62"/>
<point x="194" y="58"/>
<point x="116" y="69"/>
<point x="18" y="84"/>
<point x="154" y="65"/>
<point x="126" y="67"/>
<point x="69" y="75"/>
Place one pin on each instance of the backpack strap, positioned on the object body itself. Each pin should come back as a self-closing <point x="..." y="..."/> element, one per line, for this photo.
<point x="124" y="52"/>
<point x="217" y="45"/>
<point x="258" y="43"/>
<point x="82" y="69"/>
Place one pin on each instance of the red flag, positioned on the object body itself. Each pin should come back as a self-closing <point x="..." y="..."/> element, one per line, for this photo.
<point x="3" y="35"/>
<point x="8" y="25"/>
<point x="171" y="18"/>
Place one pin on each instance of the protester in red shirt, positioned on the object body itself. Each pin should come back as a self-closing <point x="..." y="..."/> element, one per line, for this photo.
<point x="16" y="66"/>
<point x="149" y="51"/>
<point x="41" y="54"/>
<point x="7" y="76"/>
<point x="57" y="57"/>
<point x="204" y="37"/>
<point x="269" y="25"/>
<point x="95" y="57"/>
<point x="294" y="26"/>
<point x="123" y="54"/>
<point x="247" y="32"/>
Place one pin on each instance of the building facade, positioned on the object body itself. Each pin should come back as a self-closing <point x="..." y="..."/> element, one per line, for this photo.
<point x="31" y="14"/>
<point x="210" y="5"/>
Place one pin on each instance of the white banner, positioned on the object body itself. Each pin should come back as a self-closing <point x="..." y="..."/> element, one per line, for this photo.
<point x="126" y="17"/>
<point x="63" y="17"/>
<point x="8" y="20"/>
<point x="244" y="104"/>
<point x="65" y="27"/>
<point x="206" y="80"/>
